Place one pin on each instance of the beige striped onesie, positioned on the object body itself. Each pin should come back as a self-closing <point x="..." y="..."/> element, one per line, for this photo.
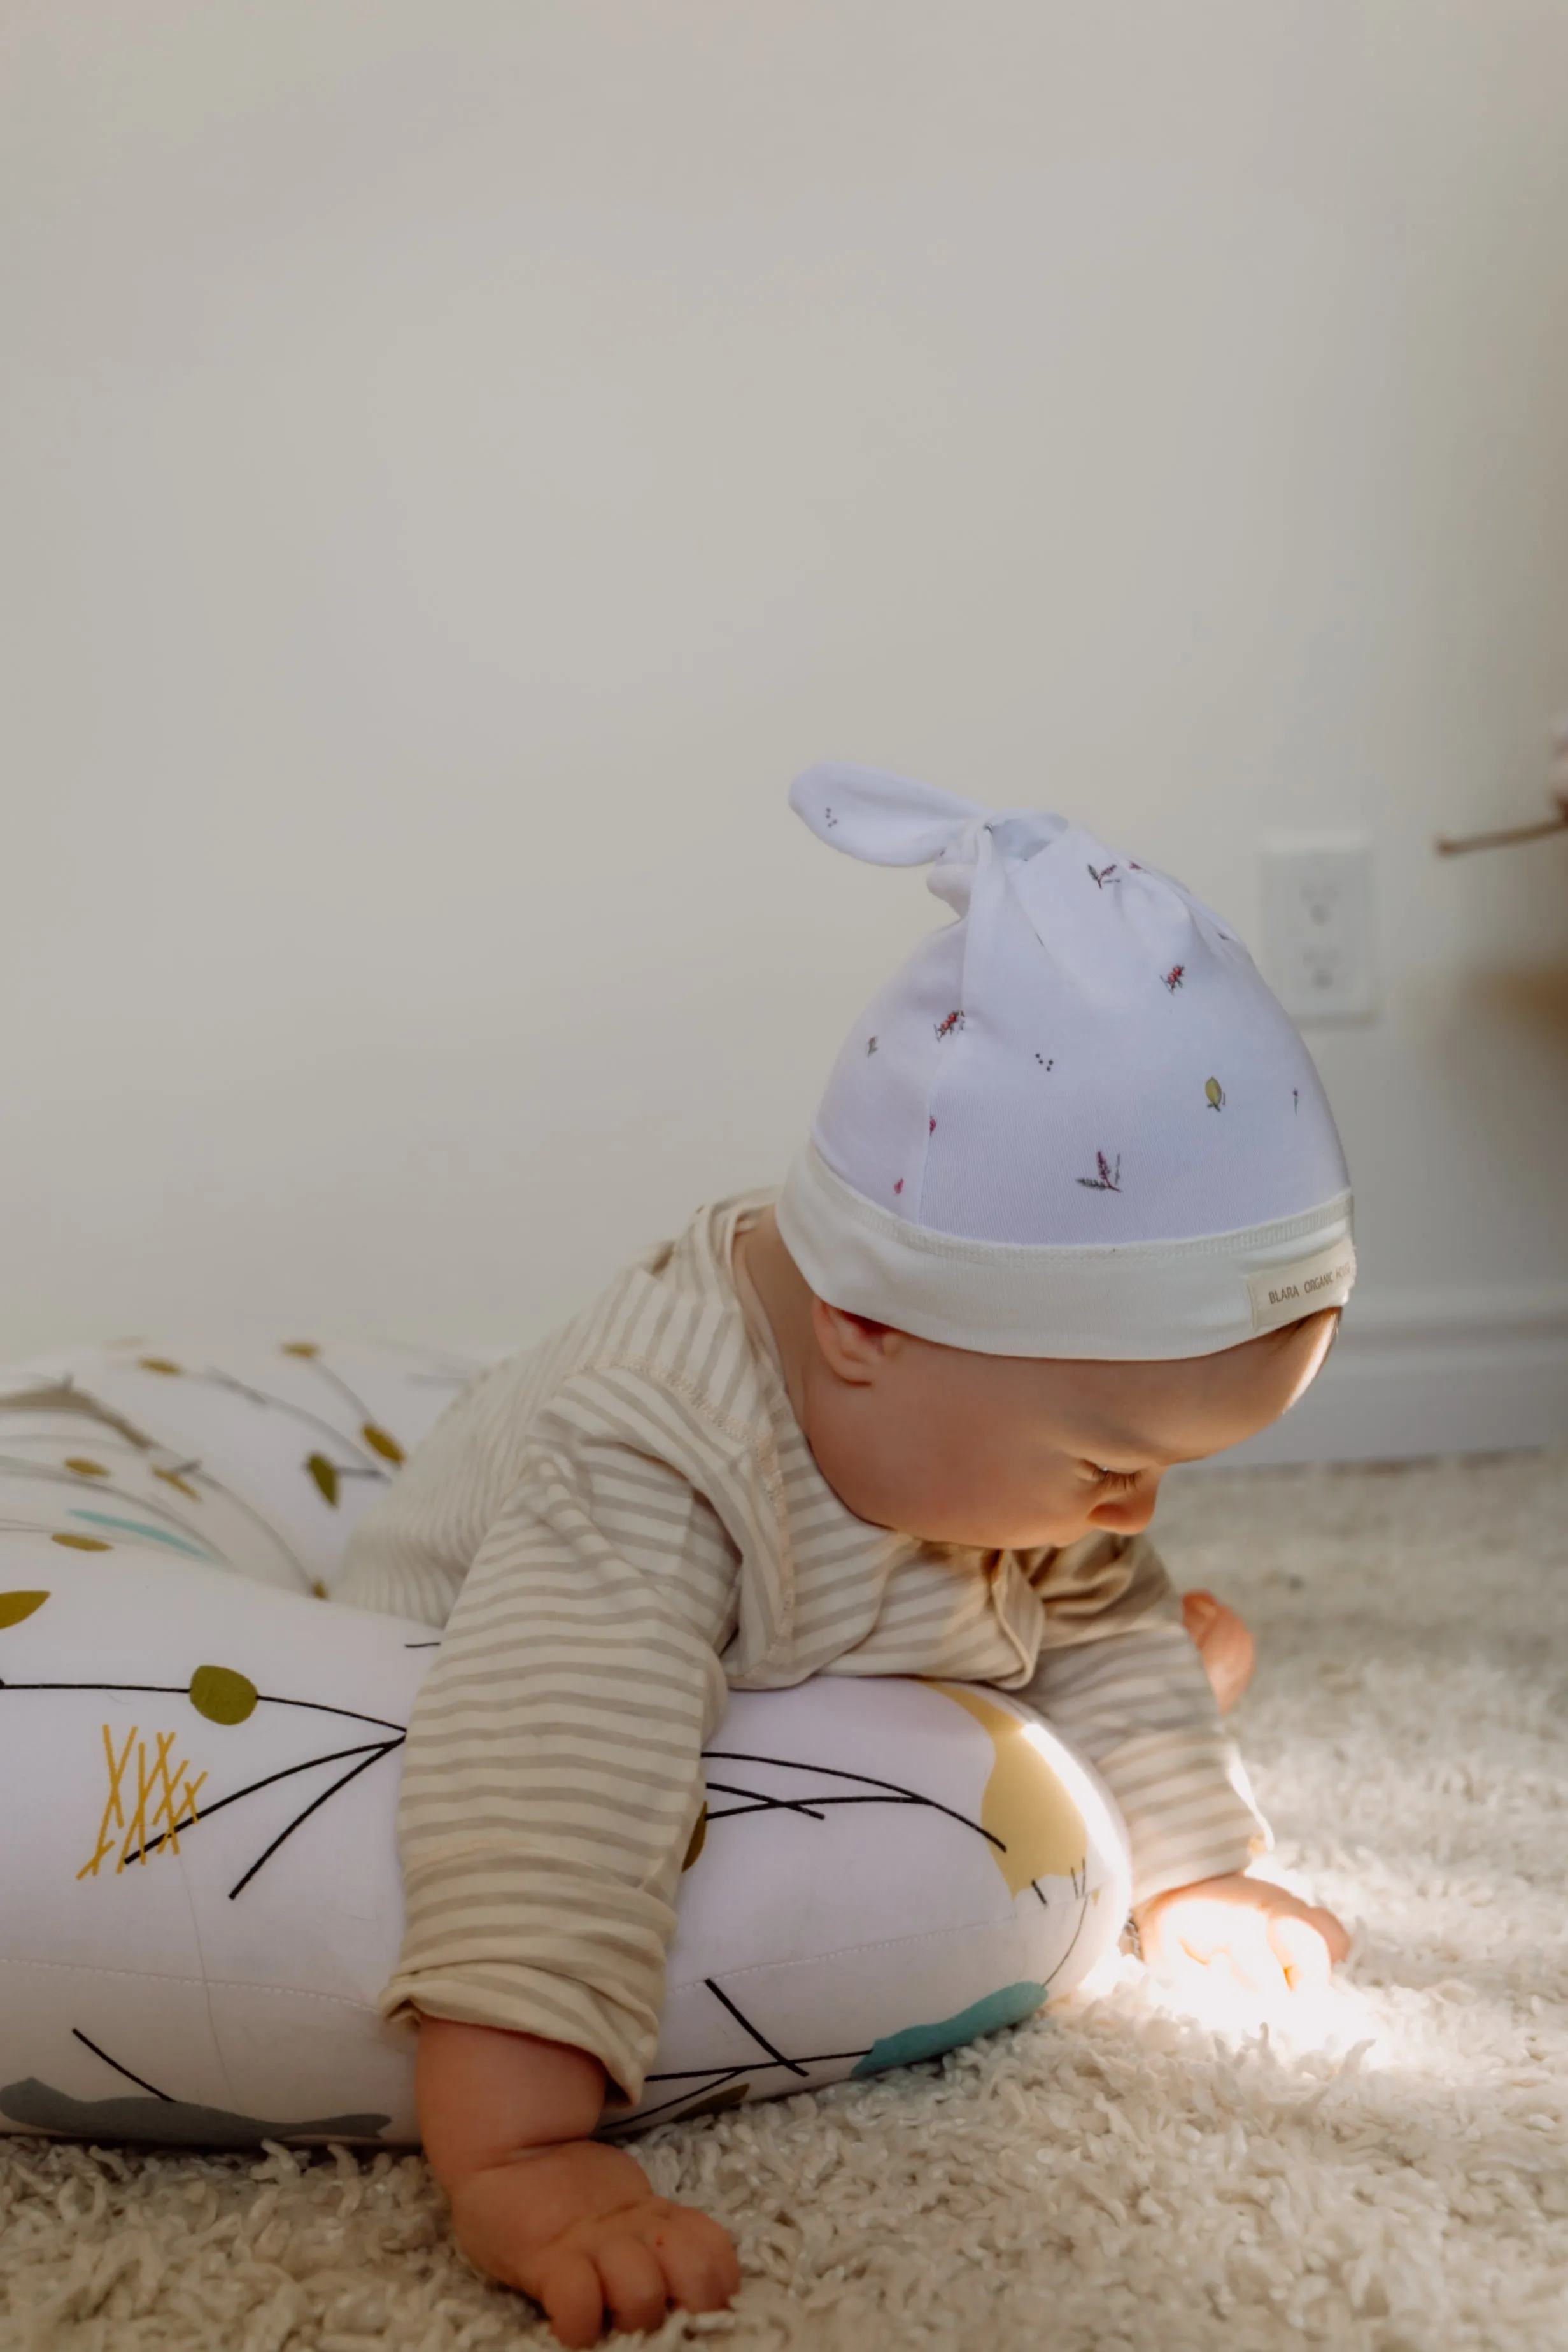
<point x="625" y="1522"/>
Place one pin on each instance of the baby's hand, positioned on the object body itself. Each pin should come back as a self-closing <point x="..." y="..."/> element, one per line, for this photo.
<point x="1272" y="1941"/>
<point x="579" y="2228"/>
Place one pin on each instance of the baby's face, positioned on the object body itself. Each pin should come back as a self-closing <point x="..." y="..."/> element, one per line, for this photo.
<point x="1012" y="1452"/>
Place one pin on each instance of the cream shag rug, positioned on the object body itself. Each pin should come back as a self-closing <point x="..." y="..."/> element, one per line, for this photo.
<point x="1388" y="2175"/>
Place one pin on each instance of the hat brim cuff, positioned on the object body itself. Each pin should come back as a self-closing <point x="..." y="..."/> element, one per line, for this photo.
<point x="1114" y="1301"/>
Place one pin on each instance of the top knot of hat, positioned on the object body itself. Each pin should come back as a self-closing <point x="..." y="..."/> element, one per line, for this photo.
<point x="1076" y="1123"/>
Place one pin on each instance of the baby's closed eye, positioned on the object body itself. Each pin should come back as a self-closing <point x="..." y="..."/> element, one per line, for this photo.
<point x="1113" y="1481"/>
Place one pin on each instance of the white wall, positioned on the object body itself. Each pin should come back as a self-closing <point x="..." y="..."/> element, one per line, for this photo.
<point x="460" y="459"/>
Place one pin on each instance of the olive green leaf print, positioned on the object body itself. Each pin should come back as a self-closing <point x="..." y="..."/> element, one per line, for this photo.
<point x="325" y="1474"/>
<point x="222" y="1695"/>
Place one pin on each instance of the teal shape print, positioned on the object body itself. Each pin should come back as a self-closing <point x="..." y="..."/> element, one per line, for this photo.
<point x="912" y="2043"/>
<point x="152" y="1534"/>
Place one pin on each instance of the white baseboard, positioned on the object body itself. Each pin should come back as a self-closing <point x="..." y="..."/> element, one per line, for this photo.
<point x="1475" y="1371"/>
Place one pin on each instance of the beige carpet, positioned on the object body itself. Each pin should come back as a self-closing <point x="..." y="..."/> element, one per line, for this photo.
<point x="1113" y="2177"/>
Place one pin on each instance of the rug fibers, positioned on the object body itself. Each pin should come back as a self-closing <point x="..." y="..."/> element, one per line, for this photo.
<point x="1383" y="2170"/>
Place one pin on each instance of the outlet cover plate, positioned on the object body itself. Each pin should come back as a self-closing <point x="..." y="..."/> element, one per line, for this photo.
<point x="1317" y="926"/>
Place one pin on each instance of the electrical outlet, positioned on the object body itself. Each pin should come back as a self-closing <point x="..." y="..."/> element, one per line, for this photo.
<point x="1317" y="927"/>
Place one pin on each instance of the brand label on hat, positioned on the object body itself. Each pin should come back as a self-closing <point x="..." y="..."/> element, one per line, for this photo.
<point x="1285" y="1293"/>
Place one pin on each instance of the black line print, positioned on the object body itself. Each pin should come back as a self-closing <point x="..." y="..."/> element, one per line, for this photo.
<point x="371" y="1753"/>
<point x="286" y="1772"/>
<point x="765" y="1804"/>
<point x="776" y="2055"/>
<point x="301" y="1817"/>
<point x="706" y="2080"/>
<point x="818" y="2058"/>
<point x="836" y="1772"/>
<point x="139" y="2081"/>
<point x="182" y="1690"/>
<point x="716" y="2081"/>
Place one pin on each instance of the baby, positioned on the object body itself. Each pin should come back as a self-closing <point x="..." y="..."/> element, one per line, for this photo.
<point x="1073" y="1209"/>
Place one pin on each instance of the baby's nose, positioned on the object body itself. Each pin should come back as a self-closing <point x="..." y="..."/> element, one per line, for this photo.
<point x="1128" y="1515"/>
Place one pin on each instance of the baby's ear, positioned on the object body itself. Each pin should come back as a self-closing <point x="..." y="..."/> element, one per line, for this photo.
<point x="853" y="1346"/>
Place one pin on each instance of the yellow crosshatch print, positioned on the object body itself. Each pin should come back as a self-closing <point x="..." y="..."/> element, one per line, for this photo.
<point x="167" y="1787"/>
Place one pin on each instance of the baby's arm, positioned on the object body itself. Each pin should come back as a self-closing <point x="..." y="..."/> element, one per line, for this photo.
<point x="537" y="2204"/>
<point x="1141" y="1703"/>
<point x="1269" y="1937"/>
<point x="551" y="1781"/>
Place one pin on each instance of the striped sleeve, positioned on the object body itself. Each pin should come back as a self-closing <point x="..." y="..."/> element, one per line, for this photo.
<point x="1138" y="1704"/>
<point x="553" y="1773"/>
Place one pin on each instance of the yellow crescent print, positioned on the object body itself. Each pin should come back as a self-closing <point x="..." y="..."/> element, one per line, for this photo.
<point x="1025" y="1806"/>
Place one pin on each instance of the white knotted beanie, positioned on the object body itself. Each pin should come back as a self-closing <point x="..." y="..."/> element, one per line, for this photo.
<point x="1076" y="1123"/>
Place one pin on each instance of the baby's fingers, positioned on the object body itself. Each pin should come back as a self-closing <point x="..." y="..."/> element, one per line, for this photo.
<point x="1222" y="1939"/>
<point x="1303" y="1952"/>
<point x="699" y="2260"/>
<point x="633" y="2280"/>
<point x="1333" y="1934"/>
<point x="568" y="2285"/>
<point x="1214" y="1932"/>
<point x="632" y="2270"/>
<point x="1253" y="1960"/>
